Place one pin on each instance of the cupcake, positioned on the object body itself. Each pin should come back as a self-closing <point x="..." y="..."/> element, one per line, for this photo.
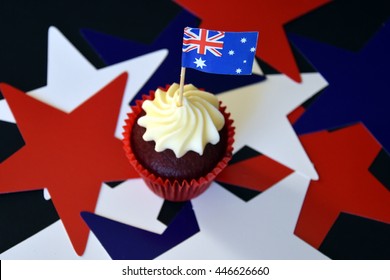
<point x="178" y="150"/>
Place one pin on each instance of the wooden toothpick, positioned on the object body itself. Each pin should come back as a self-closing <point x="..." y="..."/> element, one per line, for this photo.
<point x="181" y="86"/>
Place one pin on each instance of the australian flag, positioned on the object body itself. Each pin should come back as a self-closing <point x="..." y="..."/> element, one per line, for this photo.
<point x="219" y="52"/>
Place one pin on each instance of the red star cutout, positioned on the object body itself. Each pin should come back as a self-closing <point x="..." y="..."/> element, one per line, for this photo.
<point x="70" y="154"/>
<point x="258" y="173"/>
<point x="267" y="17"/>
<point x="342" y="158"/>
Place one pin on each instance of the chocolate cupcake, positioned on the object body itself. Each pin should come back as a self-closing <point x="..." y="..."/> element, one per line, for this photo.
<point x="178" y="149"/>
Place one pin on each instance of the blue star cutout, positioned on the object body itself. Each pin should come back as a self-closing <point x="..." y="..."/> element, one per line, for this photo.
<point x="359" y="86"/>
<point x="131" y="243"/>
<point x="113" y="50"/>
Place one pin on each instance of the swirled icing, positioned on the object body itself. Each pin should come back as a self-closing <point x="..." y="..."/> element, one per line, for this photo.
<point x="182" y="128"/>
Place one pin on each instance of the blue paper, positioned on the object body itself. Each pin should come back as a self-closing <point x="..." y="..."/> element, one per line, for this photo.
<point x="125" y="242"/>
<point x="359" y="86"/>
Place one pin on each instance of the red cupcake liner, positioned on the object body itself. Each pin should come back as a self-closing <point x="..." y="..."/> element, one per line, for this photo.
<point x="175" y="190"/>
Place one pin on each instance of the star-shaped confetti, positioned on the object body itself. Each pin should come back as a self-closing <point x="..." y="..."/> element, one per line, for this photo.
<point x="61" y="147"/>
<point x="358" y="86"/>
<point x="266" y="17"/>
<point x="259" y="229"/>
<point x="260" y="117"/>
<point x="113" y="50"/>
<point x="131" y="243"/>
<point x="342" y="158"/>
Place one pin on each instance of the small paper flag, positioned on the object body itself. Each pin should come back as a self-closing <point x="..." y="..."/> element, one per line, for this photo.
<point x="219" y="52"/>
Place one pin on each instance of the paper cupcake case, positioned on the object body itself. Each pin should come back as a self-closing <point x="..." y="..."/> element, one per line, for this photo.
<point x="175" y="190"/>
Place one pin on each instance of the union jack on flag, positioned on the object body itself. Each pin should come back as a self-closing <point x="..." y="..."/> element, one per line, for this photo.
<point x="219" y="52"/>
<point x="203" y="41"/>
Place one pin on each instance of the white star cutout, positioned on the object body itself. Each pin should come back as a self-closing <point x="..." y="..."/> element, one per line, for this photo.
<point x="268" y="221"/>
<point x="243" y="40"/>
<point x="260" y="116"/>
<point x="199" y="62"/>
<point x="253" y="49"/>
<point x="244" y="61"/>
<point x="231" y="52"/>
<point x="72" y="79"/>
<point x="238" y="70"/>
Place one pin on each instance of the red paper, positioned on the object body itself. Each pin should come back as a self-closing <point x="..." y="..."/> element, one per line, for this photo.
<point x="258" y="173"/>
<point x="69" y="154"/>
<point x="342" y="159"/>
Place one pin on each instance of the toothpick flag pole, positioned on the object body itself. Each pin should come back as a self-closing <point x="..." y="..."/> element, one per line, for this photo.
<point x="181" y="86"/>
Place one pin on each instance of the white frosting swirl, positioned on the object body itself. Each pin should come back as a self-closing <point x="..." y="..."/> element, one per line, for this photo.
<point x="182" y="128"/>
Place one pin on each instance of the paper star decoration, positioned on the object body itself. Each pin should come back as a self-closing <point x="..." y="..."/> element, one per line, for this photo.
<point x="131" y="243"/>
<point x="61" y="147"/>
<point x="259" y="229"/>
<point x="71" y="79"/>
<point x="343" y="158"/>
<point x="114" y="50"/>
<point x="260" y="116"/>
<point x="267" y="17"/>
<point x="358" y="86"/>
